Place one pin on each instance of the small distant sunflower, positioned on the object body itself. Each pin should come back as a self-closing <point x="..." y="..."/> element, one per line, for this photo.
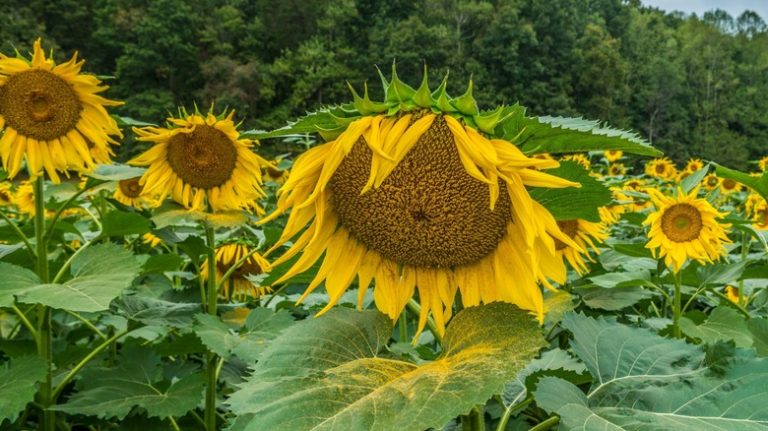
<point x="272" y="172"/>
<point x="683" y="174"/>
<point x="586" y="235"/>
<point x="421" y="199"/>
<point x="763" y="164"/>
<point x="711" y="182"/>
<point x="581" y="159"/>
<point x="24" y="198"/>
<point x="616" y="169"/>
<point x="238" y="286"/>
<point x="732" y="294"/>
<point x="685" y="227"/>
<point x="694" y="165"/>
<point x="53" y="116"/>
<point x="661" y="168"/>
<point x="130" y="192"/>
<point x="613" y="155"/>
<point x="635" y="184"/>
<point x="728" y="186"/>
<point x="760" y="215"/>
<point x="151" y="239"/>
<point x="201" y="159"/>
<point x="6" y="193"/>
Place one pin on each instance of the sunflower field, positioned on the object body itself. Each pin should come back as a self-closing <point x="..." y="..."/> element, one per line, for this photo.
<point x="410" y="262"/>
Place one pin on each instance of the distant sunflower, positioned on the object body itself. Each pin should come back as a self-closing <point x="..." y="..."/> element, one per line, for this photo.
<point x="694" y="165"/>
<point x="6" y="193"/>
<point x="53" y="116"/>
<point x="201" y="159"/>
<point x="759" y="214"/>
<point x="613" y="155"/>
<point x="685" y="227"/>
<point x="420" y="200"/>
<point x="661" y="168"/>
<point x="586" y="235"/>
<point x="130" y="192"/>
<point x="151" y="239"/>
<point x="763" y="164"/>
<point x="728" y="186"/>
<point x="635" y="184"/>
<point x="272" y="172"/>
<point x="711" y="182"/>
<point x="238" y="286"/>
<point x="24" y="198"/>
<point x="732" y="294"/>
<point x="616" y="169"/>
<point x="581" y="159"/>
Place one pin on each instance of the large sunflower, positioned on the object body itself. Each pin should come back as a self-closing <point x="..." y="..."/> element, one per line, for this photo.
<point x="420" y="200"/>
<point x="685" y="227"/>
<point x="201" y="159"/>
<point x="238" y="286"/>
<point x="53" y="116"/>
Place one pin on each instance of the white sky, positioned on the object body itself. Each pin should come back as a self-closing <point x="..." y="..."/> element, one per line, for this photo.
<point x="733" y="7"/>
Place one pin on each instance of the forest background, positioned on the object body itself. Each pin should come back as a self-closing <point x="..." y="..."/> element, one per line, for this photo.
<point x="693" y="86"/>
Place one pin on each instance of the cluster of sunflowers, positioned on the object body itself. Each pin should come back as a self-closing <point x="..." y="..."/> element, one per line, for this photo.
<point x="420" y="193"/>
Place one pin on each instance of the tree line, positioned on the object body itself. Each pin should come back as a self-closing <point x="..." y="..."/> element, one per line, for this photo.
<point x="694" y="86"/>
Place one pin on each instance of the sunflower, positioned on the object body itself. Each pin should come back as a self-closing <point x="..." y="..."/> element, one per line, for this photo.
<point x="274" y="173"/>
<point x="732" y="294"/>
<point x="728" y="186"/>
<point x="6" y="193"/>
<point x="587" y="235"/>
<point x="635" y="184"/>
<point x="238" y="286"/>
<point x="661" y="168"/>
<point x="201" y="159"/>
<point x="53" y="116"/>
<point x="151" y="239"/>
<point x="24" y="198"/>
<point x="759" y="214"/>
<point x="711" y="182"/>
<point x="616" y="169"/>
<point x="763" y="164"/>
<point x="613" y="155"/>
<point x="421" y="200"/>
<point x="130" y="192"/>
<point x="581" y="159"/>
<point x="685" y="227"/>
<point x="694" y="165"/>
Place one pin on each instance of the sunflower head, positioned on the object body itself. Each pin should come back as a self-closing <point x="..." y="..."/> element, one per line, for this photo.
<point x="711" y="182"/>
<point x="662" y="168"/>
<point x="613" y="155"/>
<point x="131" y="192"/>
<point x="53" y="116"/>
<point x="201" y="161"/>
<point x="760" y="215"/>
<point x="587" y="235"/>
<point x="239" y="286"/>
<point x="685" y="227"/>
<point x="763" y="164"/>
<point x="728" y="186"/>
<point x="694" y="165"/>
<point x="617" y="169"/>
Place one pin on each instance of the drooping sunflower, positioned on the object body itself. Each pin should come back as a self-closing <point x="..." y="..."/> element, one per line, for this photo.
<point x="661" y="168"/>
<point x="685" y="227"/>
<point x="201" y="159"/>
<point x="53" y="116"/>
<point x="238" y="286"/>
<point x="587" y="235"/>
<point x="420" y="196"/>
<point x="711" y="182"/>
<point x="130" y="192"/>
<point x="694" y="165"/>
<point x="613" y="155"/>
<point x="728" y="186"/>
<point x="581" y="159"/>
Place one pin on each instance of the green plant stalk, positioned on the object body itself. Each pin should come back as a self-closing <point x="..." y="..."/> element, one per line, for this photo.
<point x="745" y="242"/>
<point x="19" y="233"/>
<point x="677" y="307"/>
<point x="549" y="423"/>
<point x="210" y="390"/>
<point x="522" y="405"/>
<point x="45" y="341"/>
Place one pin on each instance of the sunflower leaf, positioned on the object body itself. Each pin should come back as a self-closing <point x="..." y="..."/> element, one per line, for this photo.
<point x="99" y="274"/>
<point x="644" y="381"/>
<point x="15" y="279"/>
<point x="326" y="119"/>
<point x="19" y="379"/>
<point x="326" y="373"/>
<point x="121" y="223"/>
<point x="573" y="203"/>
<point x="724" y="324"/>
<point x="758" y="184"/>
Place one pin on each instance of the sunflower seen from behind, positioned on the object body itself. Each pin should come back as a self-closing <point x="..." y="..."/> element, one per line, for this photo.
<point x="420" y="198"/>
<point x="685" y="227"/>
<point x="53" y="116"/>
<point x="201" y="161"/>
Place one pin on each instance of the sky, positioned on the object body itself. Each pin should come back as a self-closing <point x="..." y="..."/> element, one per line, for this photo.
<point x="733" y="7"/>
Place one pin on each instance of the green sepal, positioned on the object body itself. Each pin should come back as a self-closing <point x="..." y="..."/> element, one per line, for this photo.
<point x="365" y="105"/>
<point x="487" y="122"/>
<point x="440" y="95"/>
<point x="466" y="103"/>
<point x="423" y="97"/>
<point x="398" y="91"/>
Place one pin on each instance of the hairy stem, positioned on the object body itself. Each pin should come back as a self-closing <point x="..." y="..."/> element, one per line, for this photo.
<point x="45" y="342"/>
<point x="210" y="391"/>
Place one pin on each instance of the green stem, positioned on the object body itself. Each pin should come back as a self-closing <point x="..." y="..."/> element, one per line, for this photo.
<point x="512" y="410"/>
<point x="57" y="214"/>
<point x="174" y="425"/>
<point x="30" y="327"/>
<point x="83" y="362"/>
<point x="19" y="233"/>
<point x="87" y="323"/>
<point x="745" y="241"/>
<point x="403" y="325"/>
<point x="68" y="263"/>
<point x="547" y="424"/>
<point x="45" y="341"/>
<point x="210" y="391"/>
<point x="676" y="307"/>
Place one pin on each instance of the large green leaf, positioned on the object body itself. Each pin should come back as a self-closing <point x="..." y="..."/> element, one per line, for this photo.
<point x="643" y="381"/>
<point x="99" y="274"/>
<point x="137" y="382"/>
<point x="17" y="384"/>
<point x="14" y="279"/>
<point x="573" y="203"/>
<point x="121" y="223"/>
<point x="159" y="312"/>
<point x="758" y="184"/>
<point x="262" y="325"/>
<point x="723" y="324"/>
<point x="326" y="374"/>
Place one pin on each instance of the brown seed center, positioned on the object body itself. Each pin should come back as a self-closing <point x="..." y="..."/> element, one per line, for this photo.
<point x="250" y="266"/>
<point x="681" y="222"/>
<point x="39" y="104"/>
<point x="660" y="169"/>
<point x="131" y="187"/>
<point x="204" y="157"/>
<point x="712" y="181"/>
<point x="428" y="212"/>
<point x="729" y="184"/>
<point x="570" y="228"/>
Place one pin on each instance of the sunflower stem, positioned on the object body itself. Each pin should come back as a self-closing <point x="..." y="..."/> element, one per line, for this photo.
<point x="745" y="242"/>
<point x="19" y="233"/>
<point x="474" y="421"/>
<point x="211" y="364"/>
<point x="547" y="424"/>
<point x="677" y="306"/>
<point x="45" y="341"/>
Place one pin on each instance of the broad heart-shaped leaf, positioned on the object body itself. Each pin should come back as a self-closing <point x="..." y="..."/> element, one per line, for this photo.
<point x="568" y="135"/>
<point x="13" y="280"/>
<point x="17" y="384"/>
<point x="153" y="311"/>
<point x="137" y="381"/>
<point x="99" y="274"/>
<point x="121" y="223"/>
<point x="573" y="203"/>
<point x="723" y="324"/>
<point x="550" y="361"/>
<point x="325" y="374"/>
<point x="643" y="381"/>
<point x="261" y="326"/>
